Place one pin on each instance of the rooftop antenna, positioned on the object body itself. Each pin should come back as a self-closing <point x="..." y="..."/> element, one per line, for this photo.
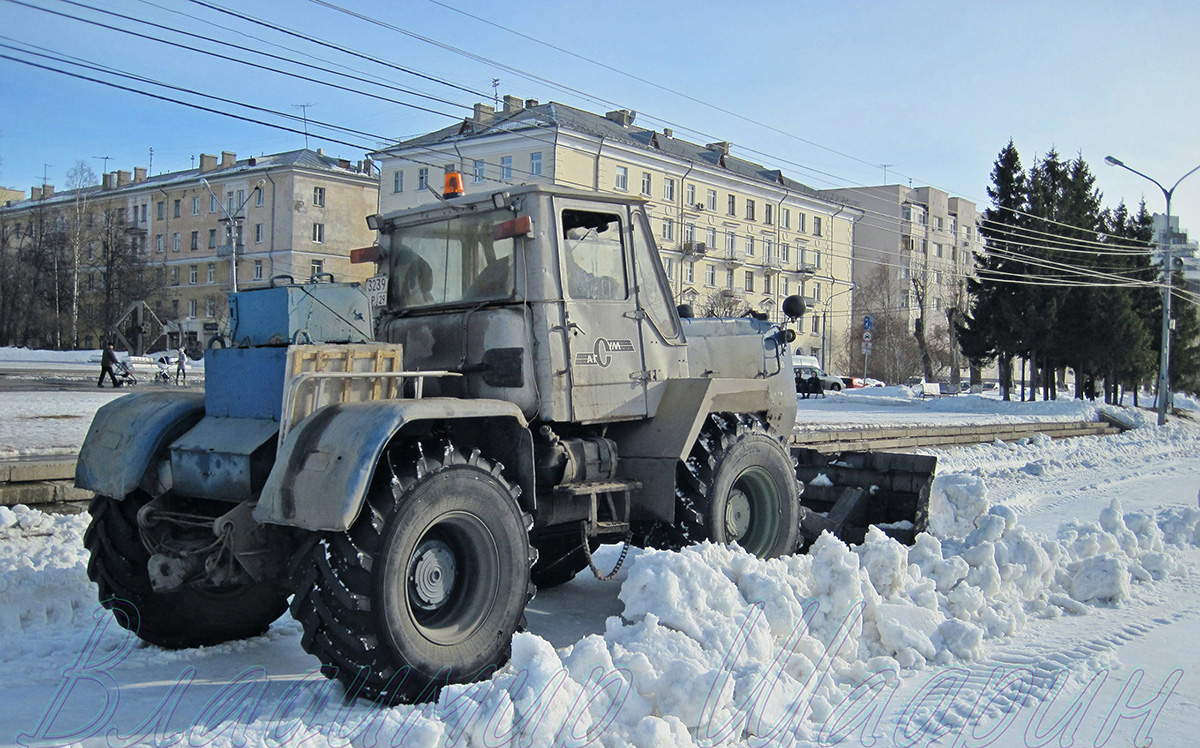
<point x="496" y="93"/>
<point x="150" y="166"/>
<point x="104" y="159"/>
<point x="885" y="168"/>
<point x="304" y="114"/>
<point x="45" y="173"/>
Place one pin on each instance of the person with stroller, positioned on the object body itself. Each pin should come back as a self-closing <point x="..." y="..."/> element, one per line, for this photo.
<point x="108" y="360"/>
<point x="181" y="366"/>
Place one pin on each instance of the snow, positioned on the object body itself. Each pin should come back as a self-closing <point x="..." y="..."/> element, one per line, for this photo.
<point x="1055" y="574"/>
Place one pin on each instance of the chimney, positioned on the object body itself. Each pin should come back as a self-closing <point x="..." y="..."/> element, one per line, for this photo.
<point x="530" y="103"/>
<point x="512" y="105"/>
<point x="623" y="117"/>
<point x="228" y="159"/>
<point x="123" y="179"/>
<point x="139" y="174"/>
<point x="721" y="147"/>
<point x="35" y="193"/>
<point x="106" y="181"/>
<point x="668" y="132"/>
<point x="484" y="114"/>
<point x="208" y="162"/>
<point x="47" y="190"/>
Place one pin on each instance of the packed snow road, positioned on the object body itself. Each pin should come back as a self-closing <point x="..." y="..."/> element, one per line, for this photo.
<point x="1055" y="599"/>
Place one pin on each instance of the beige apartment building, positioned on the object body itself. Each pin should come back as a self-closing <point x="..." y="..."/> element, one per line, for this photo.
<point x="296" y="214"/>
<point x="729" y="231"/>
<point x="914" y="250"/>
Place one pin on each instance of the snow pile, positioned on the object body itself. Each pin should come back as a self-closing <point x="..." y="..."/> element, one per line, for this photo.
<point x="43" y="578"/>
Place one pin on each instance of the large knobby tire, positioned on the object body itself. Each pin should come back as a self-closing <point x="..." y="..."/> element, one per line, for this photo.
<point x="428" y="585"/>
<point x="739" y="486"/>
<point x="191" y="616"/>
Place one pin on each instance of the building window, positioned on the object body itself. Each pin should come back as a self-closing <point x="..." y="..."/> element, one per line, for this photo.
<point x="801" y="222"/>
<point x="175" y="308"/>
<point x="422" y="178"/>
<point x="749" y="210"/>
<point x="177" y="207"/>
<point x="817" y="259"/>
<point x="749" y="246"/>
<point x="711" y="242"/>
<point x="937" y="250"/>
<point x="318" y="267"/>
<point x="258" y="233"/>
<point x="258" y="270"/>
<point x="212" y="204"/>
<point x="175" y="276"/>
<point x="192" y="308"/>
<point x="689" y="233"/>
<point x="732" y="209"/>
<point x="158" y="242"/>
<point x="729" y="278"/>
<point x="816" y="225"/>
<point x="175" y="242"/>
<point x="318" y="232"/>
<point x="668" y="229"/>
<point x="192" y="276"/>
<point x="195" y="206"/>
<point x="506" y="168"/>
<point x="729" y="243"/>
<point x="690" y="195"/>
<point x="212" y="273"/>
<point x="938" y="221"/>
<point x="212" y="238"/>
<point x="749" y="280"/>
<point x="195" y="240"/>
<point x="478" y="170"/>
<point x="669" y="268"/>
<point x="669" y="190"/>
<point x="398" y="181"/>
<point x="535" y="164"/>
<point x="258" y="196"/>
<point x="711" y="200"/>
<point x="784" y="252"/>
<point x="766" y="284"/>
<point x="646" y="183"/>
<point x="622" y="178"/>
<point x="785" y="217"/>
<point x="209" y="308"/>
<point x="710" y="274"/>
<point x="768" y="214"/>
<point x="318" y="196"/>
<point x="768" y="251"/>
<point x="159" y="207"/>
<point x="816" y="325"/>
<point x="689" y="272"/>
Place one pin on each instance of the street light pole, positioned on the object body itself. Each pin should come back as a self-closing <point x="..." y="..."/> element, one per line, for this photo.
<point x="1164" y="360"/>
<point x="232" y="231"/>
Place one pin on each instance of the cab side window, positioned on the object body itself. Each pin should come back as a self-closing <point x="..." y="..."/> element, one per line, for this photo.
<point x="594" y="256"/>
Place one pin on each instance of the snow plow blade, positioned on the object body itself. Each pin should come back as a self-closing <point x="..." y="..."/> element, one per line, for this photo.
<point x="848" y="492"/>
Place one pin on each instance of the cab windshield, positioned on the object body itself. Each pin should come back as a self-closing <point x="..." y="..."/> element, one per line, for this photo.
<point x="457" y="260"/>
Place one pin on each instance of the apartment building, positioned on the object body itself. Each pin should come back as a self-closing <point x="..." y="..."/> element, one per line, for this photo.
<point x="729" y="231"/>
<point x="295" y="214"/>
<point x="914" y="249"/>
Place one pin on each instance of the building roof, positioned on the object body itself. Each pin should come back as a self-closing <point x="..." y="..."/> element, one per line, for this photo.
<point x="555" y="115"/>
<point x="298" y="159"/>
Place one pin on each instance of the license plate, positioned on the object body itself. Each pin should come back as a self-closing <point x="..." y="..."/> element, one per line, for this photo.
<point x="376" y="288"/>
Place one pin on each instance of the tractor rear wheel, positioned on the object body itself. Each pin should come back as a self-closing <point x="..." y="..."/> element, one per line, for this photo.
<point x="739" y="485"/>
<point x="428" y="585"/>
<point x="192" y="615"/>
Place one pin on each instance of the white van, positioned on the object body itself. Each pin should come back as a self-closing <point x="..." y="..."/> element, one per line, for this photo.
<point x="805" y="366"/>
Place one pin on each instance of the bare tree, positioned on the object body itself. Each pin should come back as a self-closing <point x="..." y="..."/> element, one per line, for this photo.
<point x="894" y="355"/>
<point x="79" y="179"/>
<point x="722" y="303"/>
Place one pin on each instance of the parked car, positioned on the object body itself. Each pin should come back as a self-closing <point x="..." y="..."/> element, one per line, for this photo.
<point x="853" y="382"/>
<point x="805" y="366"/>
<point x="870" y="382"/>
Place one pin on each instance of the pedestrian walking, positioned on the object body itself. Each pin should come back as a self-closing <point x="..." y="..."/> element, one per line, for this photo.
<point x="181" y="366"/>
<point x="108" y="360"/>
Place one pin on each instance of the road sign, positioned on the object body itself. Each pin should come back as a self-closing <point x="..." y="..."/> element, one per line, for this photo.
<point x="868" y="322"/>
<point x="866" y="336"/>
<point x="866" y="347"/>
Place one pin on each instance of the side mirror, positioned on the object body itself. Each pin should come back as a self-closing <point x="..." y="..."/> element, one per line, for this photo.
<point x="685" y="311"/>
<point x="793" y="307"/>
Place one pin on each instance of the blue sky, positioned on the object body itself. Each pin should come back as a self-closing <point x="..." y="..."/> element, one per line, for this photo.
<point x="826" y="91"/>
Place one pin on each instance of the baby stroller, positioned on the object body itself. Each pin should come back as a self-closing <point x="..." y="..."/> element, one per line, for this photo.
<point x="124" y="374"/>
<point x="162" y="375"/>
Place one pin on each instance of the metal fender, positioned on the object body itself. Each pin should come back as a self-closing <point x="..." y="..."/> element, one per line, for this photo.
<point x="127" y="434"/>
<point x="324" y="467"/>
